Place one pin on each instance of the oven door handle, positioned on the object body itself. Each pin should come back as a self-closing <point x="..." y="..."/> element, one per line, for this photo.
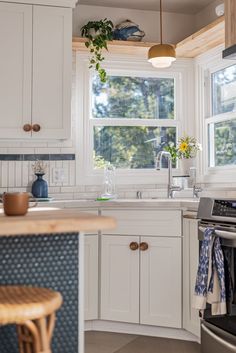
<point x="225" y="235"/>
<point x="221" y="233"/>
<point x="218" y="339"/>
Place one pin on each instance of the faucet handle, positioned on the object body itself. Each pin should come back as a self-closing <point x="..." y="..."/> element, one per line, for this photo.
<point x="174" y="188"/>
<point x="196" y="190"/>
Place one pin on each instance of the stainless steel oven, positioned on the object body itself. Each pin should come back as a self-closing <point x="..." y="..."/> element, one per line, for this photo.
<point x="218" y="333"/>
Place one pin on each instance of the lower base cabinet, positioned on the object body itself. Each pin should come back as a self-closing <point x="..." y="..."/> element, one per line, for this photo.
<point x="161" y="282"/>
<point x="91" y="277"/>
<point x="191" y="321"/>
<point x="120" y="278"/>
<point x="141" y="280"/>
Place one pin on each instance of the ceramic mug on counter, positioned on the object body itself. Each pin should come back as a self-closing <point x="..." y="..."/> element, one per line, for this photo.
<point x="16" y="203"/>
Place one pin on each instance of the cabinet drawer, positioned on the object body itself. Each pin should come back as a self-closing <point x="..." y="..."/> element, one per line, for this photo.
<point x="143" y="222"/>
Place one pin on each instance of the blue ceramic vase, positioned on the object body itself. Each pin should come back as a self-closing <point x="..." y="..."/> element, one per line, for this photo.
<point x="40" y="187"/>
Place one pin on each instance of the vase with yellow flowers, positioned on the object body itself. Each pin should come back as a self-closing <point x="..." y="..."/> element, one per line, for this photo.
<point x="185" y="152"/>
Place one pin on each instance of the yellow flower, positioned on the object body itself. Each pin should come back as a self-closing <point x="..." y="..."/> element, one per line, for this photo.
<point x="183" y="146"/>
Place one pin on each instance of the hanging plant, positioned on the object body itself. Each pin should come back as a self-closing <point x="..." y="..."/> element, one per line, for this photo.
<point x="98" y="34"/>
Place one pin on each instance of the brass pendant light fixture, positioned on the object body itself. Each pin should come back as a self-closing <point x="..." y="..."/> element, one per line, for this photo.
<point x="161" y="55"/>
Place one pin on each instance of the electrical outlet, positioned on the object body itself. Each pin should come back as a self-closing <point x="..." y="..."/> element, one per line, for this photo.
<point x="58" y="175"/>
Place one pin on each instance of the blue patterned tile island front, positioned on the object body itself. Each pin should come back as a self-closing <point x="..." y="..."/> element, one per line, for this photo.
<point x="51" y="261"/>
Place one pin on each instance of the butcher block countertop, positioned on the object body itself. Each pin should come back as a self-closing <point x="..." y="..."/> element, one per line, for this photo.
<point x="52" y="220"/>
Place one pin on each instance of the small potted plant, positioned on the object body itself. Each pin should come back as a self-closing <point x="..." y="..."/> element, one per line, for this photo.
<point x="185" y="152"/>
<point x="98" y="33"/>
<point x="40" y="186"/>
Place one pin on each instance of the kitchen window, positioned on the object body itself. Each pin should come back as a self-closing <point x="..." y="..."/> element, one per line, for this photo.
<point x="221" y="124"/>
<point x="133" y="118"/>
<point x="130" y="118"/>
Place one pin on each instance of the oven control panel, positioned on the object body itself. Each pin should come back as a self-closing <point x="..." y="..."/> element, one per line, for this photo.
<point x="224" y="208"/>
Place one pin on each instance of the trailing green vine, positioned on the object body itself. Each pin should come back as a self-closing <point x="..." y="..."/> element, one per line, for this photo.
<point x="98" y="34"/>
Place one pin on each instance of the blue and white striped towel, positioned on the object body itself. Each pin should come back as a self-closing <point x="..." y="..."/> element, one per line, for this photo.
<point x="210" y="282"/>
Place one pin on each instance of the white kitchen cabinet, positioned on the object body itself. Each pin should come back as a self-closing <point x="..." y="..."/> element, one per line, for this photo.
<point x="35" y="69"/>
<point x="91" y="277"/>
<point x="191" y="321"/>
<point x="143" y="285"/>
<point x="119" y="279"/>
<point x="15" y="69"/>
<point x="52" y="60"/>
<point x="160" y="282"/>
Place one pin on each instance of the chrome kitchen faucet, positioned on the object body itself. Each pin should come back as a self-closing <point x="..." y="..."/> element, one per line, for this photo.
<point x="170" y="187"/>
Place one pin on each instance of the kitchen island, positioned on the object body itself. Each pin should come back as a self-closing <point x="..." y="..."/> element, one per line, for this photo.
<point x="45" y="249"/>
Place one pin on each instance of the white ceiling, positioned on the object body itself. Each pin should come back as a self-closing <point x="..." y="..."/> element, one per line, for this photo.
<point x="180" y="6"/>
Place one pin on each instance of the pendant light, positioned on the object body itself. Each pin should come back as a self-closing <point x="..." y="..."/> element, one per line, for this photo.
<point x="161" y="55"/>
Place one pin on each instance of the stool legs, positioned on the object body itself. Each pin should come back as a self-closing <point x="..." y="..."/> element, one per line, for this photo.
<point x="35" y="336"/>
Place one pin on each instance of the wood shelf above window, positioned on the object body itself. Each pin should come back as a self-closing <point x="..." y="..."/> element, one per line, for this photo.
<point x="205" y="39"/>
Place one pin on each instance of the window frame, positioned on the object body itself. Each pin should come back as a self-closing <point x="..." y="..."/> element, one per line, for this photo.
<point x="206" y="65"/>
<point x="123" y="65"/>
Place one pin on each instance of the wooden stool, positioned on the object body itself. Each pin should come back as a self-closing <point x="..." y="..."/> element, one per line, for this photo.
<point x="33" y="311"/>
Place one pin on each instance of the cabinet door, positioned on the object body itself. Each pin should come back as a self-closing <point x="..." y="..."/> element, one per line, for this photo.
<point x="91" y="277"/>
<point x="15" y="69"/>
<point x="160" y="293"/>
<point x="119" y="279"/>
<point x="191" y="321"/>
<point x="52" y="61"/>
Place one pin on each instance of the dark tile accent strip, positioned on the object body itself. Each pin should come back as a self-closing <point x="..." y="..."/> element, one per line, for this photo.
<point x="61" y="157"/>
<point x="34" y="157"/>
<point x="11" y="157"/>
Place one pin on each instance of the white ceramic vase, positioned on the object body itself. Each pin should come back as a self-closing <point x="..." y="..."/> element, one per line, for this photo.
<point x="185" y="164"/>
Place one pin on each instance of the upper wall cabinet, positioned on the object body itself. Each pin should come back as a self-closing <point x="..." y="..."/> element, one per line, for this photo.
<point x="35" y="71"/>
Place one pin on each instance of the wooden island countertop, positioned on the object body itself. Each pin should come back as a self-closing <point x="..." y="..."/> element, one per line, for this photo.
<point x="53" y="220"/>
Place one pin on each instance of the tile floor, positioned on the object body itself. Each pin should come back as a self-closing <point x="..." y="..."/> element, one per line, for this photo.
<point x="107" y="342"/>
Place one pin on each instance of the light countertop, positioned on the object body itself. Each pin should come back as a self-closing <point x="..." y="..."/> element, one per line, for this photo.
<point x="183" y="204"/>
<point x="42" y="220"/>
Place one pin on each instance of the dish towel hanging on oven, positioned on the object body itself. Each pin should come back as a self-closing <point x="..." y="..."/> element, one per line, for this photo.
<point x="210" y="282"/>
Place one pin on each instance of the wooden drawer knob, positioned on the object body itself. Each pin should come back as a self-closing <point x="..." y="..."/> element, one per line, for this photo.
<point x="36" y="127"/>
<point x="133" y="246"/>
<point x="27" y="127"/>
<point x="143" y="246"/>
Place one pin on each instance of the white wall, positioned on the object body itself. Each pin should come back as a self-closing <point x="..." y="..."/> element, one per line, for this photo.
<point x="176" y="26"/>
<point x="207" y="15"/>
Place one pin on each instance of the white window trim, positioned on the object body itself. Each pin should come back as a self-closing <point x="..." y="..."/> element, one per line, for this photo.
<point x="182" y="70"/>
<point x="205" y="65"/>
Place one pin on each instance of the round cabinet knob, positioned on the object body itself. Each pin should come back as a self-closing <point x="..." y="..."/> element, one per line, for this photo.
<point x="143" y="246"/>
<point x="27" y="127"/>
<point x="133" y="246"/>
<point x="36" y="127"/>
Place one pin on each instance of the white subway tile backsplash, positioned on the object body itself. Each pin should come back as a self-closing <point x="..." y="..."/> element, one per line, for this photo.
<point x="93" y="188"/>
<point x="14" y="190"/>
<point x="52" y="166"/>
<point x="25" y="172"/>
<point x="18" y="174"/>
<point x="86" y="195"/>
<point x="60" y="196"/>
<point x="67" y="150"/>
<point x="47" y="150"/>
<point x="54" y="189"/>
<point x="72" y="173"/>
<point x="12" y="143"/>
<point x="33" y="144"/>
<point x="65" y="167"/>
<point x="4" y="174"/>
<point x="3" y="150"/>
<point x="73" y="189"/>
